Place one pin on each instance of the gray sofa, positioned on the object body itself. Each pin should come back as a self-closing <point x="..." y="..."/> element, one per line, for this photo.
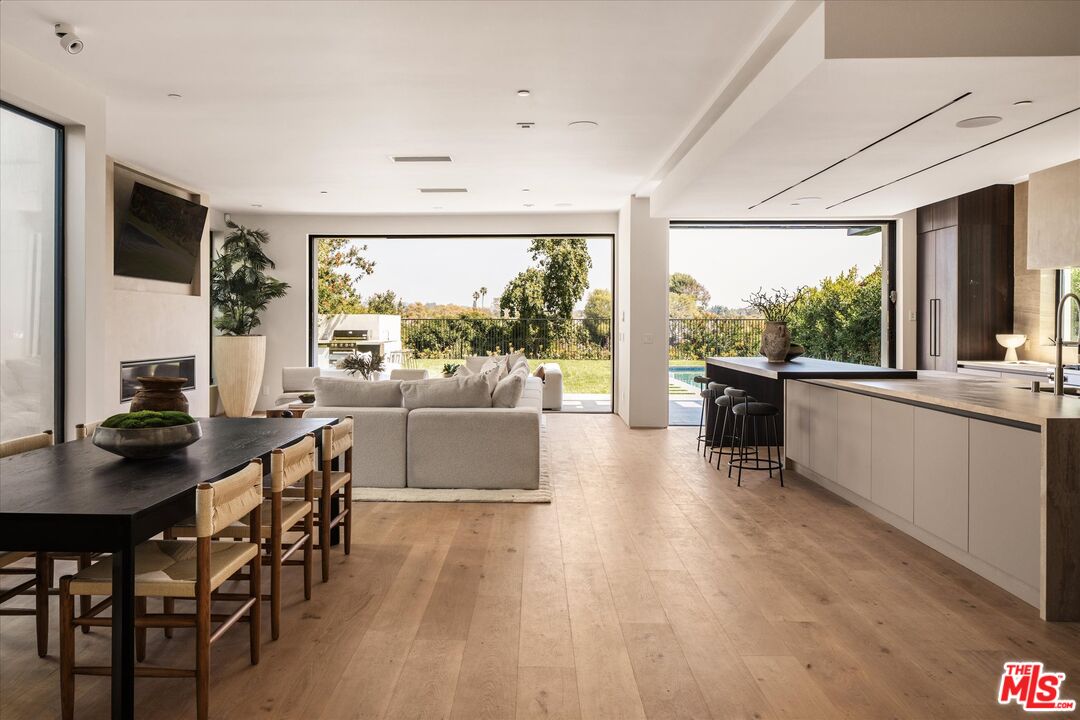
<point x="446" y="447"/>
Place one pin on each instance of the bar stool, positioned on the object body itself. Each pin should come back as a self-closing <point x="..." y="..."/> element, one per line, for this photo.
<point x="730" y="440"/>
<point x="702" y="382"/>
<point x="768" y="413"/>
<point x="708" y="398"/>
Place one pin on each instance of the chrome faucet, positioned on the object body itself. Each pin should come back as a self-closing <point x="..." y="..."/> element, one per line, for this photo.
<point x="1059" y="342"/>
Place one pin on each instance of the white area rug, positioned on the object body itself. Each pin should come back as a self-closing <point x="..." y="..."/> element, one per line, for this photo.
<point x="542" y="494"/>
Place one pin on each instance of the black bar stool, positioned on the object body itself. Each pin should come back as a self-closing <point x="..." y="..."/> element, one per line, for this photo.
<point x="729" y="440"/>
<point x="702" y="382"/>
<point x="767" y="412"/>
<point x="708" y="398"/>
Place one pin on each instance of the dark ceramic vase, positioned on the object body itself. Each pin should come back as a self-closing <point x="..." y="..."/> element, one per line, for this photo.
<point x="160" y="394"/>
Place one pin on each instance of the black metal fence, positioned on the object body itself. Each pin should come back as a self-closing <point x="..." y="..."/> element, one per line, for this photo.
<point x="555" y="338"/>
<point x="698" y="338"/>
<point x="572" y="339"/>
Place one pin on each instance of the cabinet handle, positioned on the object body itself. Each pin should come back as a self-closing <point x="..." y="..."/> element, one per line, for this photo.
<point x="933" y="332"/>
<point x="937" y="327"/>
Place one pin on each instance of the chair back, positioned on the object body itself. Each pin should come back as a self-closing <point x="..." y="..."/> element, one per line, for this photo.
<point x="26" y="443"/>
<point x="85" y="430"/>
<point x="291" y="464"/>
<point x="219" y="504"/>
<point x="337" y="438"/>
<point x="299" y="379"/>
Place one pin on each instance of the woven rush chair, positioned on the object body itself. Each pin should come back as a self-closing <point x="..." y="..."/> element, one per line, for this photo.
<point x="185" y="569"/>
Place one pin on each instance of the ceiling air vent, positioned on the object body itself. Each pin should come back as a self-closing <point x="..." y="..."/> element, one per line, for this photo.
<point x="420" y="158"/>
<point x="443" y="190"/>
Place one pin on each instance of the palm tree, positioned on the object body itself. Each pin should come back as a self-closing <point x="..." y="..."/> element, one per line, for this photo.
<point x="475" y="297"/>
<point x="483" y="296"/>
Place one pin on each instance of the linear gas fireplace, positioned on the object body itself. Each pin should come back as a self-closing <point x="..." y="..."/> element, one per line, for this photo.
<point x="131" y="371"/>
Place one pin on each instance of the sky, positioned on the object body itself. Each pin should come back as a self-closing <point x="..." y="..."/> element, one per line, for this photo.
<point x="449" y="270"/>
<point x="732" y="263"/>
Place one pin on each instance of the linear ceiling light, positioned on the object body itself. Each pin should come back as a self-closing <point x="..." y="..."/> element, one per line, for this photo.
<point x="420" y="158"/>
<point x="443" y="190"/>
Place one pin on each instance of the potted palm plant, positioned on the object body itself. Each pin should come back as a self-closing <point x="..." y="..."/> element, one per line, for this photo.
<point x="776" y="307"/>
<point x="240" y="290"/>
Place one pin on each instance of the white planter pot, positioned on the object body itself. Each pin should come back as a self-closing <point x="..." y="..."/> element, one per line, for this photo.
<point x="238" y="368"/>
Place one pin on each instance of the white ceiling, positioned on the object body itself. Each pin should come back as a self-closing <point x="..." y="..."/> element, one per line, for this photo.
<point x="282" y="100"/>
<point x="844" y="105"/>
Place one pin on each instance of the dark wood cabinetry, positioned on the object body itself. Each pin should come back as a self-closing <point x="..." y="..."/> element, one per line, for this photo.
<point x="965" y="277"/>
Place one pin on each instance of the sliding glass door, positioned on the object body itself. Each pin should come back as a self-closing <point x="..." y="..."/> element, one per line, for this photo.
<point x="31" y="290"/>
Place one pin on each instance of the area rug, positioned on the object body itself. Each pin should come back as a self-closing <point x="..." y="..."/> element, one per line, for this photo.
<point x="542" y="494"/>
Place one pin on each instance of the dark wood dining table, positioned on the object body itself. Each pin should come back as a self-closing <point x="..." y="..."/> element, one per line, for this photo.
<point x="76" y="497"/>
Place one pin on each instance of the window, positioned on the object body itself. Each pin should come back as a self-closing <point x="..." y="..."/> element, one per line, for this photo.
<point x="31" y="289"/>
<point x="1069" y="282"/>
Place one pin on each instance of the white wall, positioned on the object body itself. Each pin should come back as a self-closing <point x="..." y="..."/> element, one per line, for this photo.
<point x="32" y="86"/>
<point x="285" y="322"/>
<point x="641" y="290"/>
<point x="907" y="301"/>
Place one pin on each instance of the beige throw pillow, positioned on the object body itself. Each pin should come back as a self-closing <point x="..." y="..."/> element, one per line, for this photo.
<point x="508" y="392"/>
<point x="340" y="392"/>
<point x="463" y="371"/>
<point x="513" y="359"/>
<point x="456" y="392"/>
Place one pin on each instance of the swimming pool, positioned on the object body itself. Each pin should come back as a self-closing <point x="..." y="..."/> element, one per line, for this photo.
<point x="686" y="373"/>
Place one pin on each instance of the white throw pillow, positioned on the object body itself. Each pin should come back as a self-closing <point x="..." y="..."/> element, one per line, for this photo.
<point x="513" y="359"/>
<point x="463" y="371"/>
<point x="340" y="392"/>
<point x="508" y="392"/>
<point x="455" y="392"/>
<point x="496" y="365"/>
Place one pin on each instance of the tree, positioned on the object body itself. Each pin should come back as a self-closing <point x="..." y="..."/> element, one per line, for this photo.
<point x="598" y="305"/>
<point x="524" y="295"/>
<point x="475" y="298"/>
<point x="385" y="303"/>
<point x="683" y="306"/>
<point x="335" y="258"/>
<point x="564" y="273"/>
<point x="841" y="318"/>
<point x="240" y="289"/>
<point x="685" y="284"/>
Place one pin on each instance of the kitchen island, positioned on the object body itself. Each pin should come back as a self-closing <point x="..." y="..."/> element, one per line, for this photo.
<point x="981" y="470"/>
<point x="765" y="380"/>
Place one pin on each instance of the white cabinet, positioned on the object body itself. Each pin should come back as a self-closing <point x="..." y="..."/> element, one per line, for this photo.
<point x="941" y="475"/>
<point x="853" y="442"/>
<point x="822" y="458"/>
<point x="1004" y="510"/>
<point x="892" y="456"/>
<point x="797" y="421"/>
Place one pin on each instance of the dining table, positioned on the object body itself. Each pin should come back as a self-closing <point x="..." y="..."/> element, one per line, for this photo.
<point x="77" y="497"/>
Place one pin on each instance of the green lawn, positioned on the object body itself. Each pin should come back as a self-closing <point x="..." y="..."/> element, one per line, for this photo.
<point x="579" y="376"/>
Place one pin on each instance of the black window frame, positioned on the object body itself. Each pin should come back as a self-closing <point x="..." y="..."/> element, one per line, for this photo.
<point x="59" y="260"/>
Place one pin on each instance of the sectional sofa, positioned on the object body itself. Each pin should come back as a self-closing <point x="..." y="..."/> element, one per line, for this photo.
<point x="436" y="447"/>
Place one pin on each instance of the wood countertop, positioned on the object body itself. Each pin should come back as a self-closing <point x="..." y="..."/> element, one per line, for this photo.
<point x="806" y="367"/>
<point x="1006" y="399"/>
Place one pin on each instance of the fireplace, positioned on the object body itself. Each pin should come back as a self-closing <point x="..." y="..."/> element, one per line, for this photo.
<point x="163" y="367"/>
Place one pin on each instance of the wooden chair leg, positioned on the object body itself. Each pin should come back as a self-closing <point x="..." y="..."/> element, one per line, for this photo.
<point x="255" y="618"/>
<point x="140" y="633"/>
<point x="67" y="650"/>
<point x="275" y="584"/>
<point x="202" y="634"/>
<point x="324" y="534"/>
<point x="309" y="551"/>
<point x="168" y="605"/>
<point x="85" y="601"/>
<point x="347" y="502"/>
<point x="42" y="570"/>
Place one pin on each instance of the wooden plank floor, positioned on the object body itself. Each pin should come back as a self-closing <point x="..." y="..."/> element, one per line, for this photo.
<point x="651" y="588"/>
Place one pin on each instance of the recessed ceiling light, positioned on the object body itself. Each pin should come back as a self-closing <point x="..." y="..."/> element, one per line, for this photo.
<point x="436" y="207"/>
<point x="806" y="199"/>
<point x="420" y="158"/>
<point x="563" y="204"/>
<point x="1023" y="102"/>
<point x="583" y="125"/>
<point x="443" y="190"/>
<point x="978" y="122"/>
<point x="528" y="204"/>
<point x="524" y="93"/>
<point x="255" y="205"/>
<point x="525" y="125"/>
<point x="175" y="96"/>
<point x="794" y="204"/>
<point x="322" y="192"/>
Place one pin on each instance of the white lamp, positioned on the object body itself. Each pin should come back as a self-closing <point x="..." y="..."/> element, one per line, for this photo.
<point x="1011" y="342"/>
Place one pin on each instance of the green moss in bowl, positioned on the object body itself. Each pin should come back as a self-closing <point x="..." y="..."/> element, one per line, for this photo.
<point x="147" y="419"/>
